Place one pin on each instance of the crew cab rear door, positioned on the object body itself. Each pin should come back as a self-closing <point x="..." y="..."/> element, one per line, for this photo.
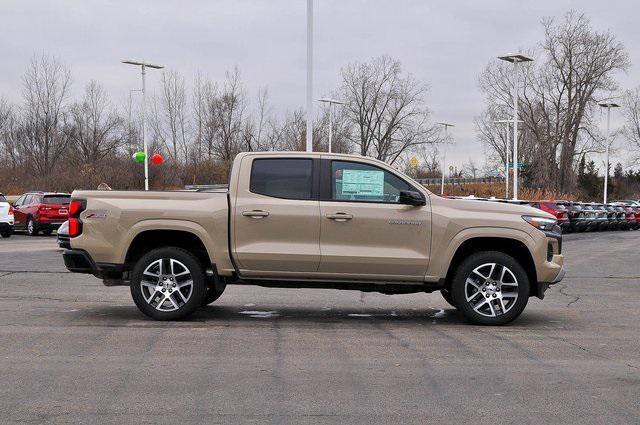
<point x="276" y="215"/>
<point x="366" y="234"/>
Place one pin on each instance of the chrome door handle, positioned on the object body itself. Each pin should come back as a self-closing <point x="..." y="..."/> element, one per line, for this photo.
<point x="339" y="216"/>
<point x="255" y="213"/>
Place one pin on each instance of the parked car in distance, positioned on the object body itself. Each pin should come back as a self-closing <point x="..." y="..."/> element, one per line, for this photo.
<point x="63" y="235"/>
<point x="577" y="220"/>
<point x="43" y="212"/>
<point x="629" y="217"/>
<point x="602" y="217"/>
<point x="636" y="210"/>
<point x="6" y="217"/>
<point x="558" y="210"/>
<point x="314" y="220"/>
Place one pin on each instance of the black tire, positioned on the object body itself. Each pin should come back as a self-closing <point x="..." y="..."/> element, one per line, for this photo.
<point x="194" y="297"/>
<point x="32" y="227"/>
<point x="212" y="295"/>
<point x="460" y="289"/>
<point x="446" y="294"/>
<point x="6" y="234"/>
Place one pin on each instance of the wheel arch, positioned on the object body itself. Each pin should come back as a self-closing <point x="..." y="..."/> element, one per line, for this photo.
<point x="148" y="239"/>
<point x="510" y="246"/>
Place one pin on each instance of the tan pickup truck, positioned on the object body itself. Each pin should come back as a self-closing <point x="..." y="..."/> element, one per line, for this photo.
<point x="314" y="220"/>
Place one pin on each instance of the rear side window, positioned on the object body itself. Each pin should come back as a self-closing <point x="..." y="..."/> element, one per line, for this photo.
<point x="2" y="198"/>
<point x="56" y="199"/>
<point x="288" y="178"/>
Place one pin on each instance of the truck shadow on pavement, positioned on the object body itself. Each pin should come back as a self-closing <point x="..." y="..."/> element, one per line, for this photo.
<point x="211" y="316"/>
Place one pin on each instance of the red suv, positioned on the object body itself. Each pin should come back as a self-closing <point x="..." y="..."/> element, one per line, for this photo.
<point x="41" y="211"/>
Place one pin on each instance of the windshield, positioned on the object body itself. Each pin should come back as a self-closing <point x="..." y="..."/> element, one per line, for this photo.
<point x="56" y="199"/>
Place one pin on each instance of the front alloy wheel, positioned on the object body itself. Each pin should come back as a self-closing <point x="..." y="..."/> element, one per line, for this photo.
<point x="490" y="288"/>
<point x="168" y="283"/>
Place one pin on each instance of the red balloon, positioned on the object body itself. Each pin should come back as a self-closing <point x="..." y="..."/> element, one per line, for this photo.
<point x="157" y="159"/>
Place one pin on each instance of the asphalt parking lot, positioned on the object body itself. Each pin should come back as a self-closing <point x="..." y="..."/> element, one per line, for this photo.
<point x="73" y="351"/>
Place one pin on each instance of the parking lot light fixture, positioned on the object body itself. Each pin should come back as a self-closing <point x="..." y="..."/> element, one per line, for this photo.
<point x="607" y="105"/>
<point x="143" y="65"/>
<point x="331" y="102"/>
<point x="515" y="60"/>
<point x="444" y="153"/>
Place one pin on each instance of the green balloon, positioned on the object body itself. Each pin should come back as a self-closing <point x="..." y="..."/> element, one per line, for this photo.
<point x="139" y="156"/>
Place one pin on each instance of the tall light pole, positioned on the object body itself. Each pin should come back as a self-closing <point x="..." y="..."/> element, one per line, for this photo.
<point x="144" y="65"/>
<point x="309" y="75"/>
<point x="444" y="153"/>
<point x="331" y="102"/>
<point x="608" y="145"/>
<point x="506" y="156"/>
<point x="515" y="60"/>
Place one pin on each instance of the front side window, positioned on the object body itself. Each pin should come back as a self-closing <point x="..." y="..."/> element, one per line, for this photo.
<point x="353" y="181"/>
<point x="288" y="178"/>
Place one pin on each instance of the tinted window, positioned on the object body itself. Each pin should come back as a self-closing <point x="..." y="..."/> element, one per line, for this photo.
<point x="27" y="200"/>
<point x="56" y="199"/>
<point x="353" y="181"/>
<point x="287" y="178"/>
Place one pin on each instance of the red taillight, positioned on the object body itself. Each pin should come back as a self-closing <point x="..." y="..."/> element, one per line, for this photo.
<point x="76" y="207"/>
<point x="75" y="227"/>
<point x="11" y="210"/>
<point x="75" y="224"/>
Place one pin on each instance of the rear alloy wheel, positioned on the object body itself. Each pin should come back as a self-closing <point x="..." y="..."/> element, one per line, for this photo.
<point x="491" y="288"/>
<point x="168" y="284"/>
<point x="32" y="229"/>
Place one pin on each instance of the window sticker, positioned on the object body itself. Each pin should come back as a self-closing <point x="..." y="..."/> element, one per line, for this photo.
<point x="362" y="182"/>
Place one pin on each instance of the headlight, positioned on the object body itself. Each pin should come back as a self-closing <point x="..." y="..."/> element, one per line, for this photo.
<point x="542" y="223"/>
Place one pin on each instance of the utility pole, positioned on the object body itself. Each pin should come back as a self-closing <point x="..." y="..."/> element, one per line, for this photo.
<point x="515" y="59"/>
<point x="309" y="141"/>
<point x="444" y="153"/>
<point x="331" y="102"/>
<point x="144" y="65"/>
<point x="608" y="145"/>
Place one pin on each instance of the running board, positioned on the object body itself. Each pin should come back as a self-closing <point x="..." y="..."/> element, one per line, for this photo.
<point x="384" y="287"/>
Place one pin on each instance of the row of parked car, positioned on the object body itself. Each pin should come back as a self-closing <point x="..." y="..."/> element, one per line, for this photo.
<point x="587" y="216"/>
<point x="581" y="217"/>
<point x="35" y="212"/>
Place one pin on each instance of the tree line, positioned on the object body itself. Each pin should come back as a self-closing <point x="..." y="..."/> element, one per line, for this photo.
<point x="50" y="141"/>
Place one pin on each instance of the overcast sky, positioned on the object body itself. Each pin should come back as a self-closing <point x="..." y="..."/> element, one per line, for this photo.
<point x="445" y="44"/>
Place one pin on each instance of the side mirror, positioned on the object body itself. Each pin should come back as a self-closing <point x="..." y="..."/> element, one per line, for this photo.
<point x="409" y="197"/>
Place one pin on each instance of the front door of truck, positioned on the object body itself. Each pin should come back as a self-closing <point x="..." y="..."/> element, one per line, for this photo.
<point x="366" y="233"/>
<point x="276" y="217"/>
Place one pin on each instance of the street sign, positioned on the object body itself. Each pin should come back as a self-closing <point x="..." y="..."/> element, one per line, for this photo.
<point x="520" y="165"/>
<point x="413" y="162"/>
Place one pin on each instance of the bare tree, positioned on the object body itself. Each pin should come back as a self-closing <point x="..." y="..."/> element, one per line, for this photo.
<point x="386" y="108"/>
<point x="94" y="128"/>
<point x="576" y="67"/>
<point x="45" y="89"/>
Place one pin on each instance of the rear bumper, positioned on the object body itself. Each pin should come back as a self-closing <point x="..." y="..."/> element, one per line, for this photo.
<point x="49" y="225"/>
<point x="79" y="261"/>
<point x="5" y="226"/>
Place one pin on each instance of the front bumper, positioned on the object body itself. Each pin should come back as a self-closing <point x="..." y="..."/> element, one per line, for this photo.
<point x="79" y="261"/>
